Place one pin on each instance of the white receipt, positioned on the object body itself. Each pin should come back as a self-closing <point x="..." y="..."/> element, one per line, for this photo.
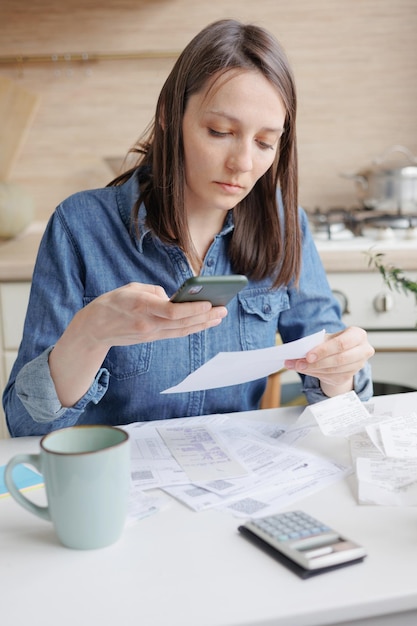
<point x="389" y="482"/>
<point x="233" y="368"/>
<point x="199" y="453"/>
<point x="341" y="416"/>
<point x="399" y="437"/>
<point x="385" y="457"/>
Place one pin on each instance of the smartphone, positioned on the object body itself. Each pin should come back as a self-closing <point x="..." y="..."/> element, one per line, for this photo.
<point x="218" y="290"/>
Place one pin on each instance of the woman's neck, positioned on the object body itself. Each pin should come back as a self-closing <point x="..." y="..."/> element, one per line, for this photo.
<point x="203" y="230"/>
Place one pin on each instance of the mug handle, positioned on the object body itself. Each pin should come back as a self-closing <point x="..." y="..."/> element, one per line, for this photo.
<point x="31" y="459"/>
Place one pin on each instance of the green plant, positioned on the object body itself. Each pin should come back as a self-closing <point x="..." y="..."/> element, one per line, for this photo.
<point x="394" y="277"/>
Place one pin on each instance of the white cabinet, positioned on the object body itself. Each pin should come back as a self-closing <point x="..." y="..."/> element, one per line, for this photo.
<point x="14" y="299"/>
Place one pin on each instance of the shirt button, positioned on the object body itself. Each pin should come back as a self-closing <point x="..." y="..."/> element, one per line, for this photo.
<point x="266" y="308"/>
<point x="210" y="262"/>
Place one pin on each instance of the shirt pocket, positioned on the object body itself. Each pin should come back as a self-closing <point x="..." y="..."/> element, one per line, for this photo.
<point x="124" y="362"/>
<point x="259" y="313"/>
<point x="128" y="361"/>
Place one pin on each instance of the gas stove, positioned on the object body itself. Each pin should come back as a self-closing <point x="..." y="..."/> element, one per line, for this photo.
<point x="359" y="229"/>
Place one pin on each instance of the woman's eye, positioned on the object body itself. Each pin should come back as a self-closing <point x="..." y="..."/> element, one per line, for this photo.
<point x="265" y="146"/>
<point x="262" y="144"/>
<point x="216" y="133"/>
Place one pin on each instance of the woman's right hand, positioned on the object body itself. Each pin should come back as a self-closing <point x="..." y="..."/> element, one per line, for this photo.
<point x="138" y="313"/>
<point x="134" y="313"/>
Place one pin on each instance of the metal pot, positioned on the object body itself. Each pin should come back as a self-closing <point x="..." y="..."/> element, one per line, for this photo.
<point x="386" y="186"/>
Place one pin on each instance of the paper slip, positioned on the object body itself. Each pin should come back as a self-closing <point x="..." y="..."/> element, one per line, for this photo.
<point x="388" y="482"/>
<point x="275" y="499"/>
<point x="233" y="368"/>
<point x="341" y="416"/>
<point x="268" y="496"/>
<point x="152" y="463"/>
<point x="143" y="505"/>
<point x="386" y="461"/>
<point x="200" y="454"/>
<point x="399" y="437"/>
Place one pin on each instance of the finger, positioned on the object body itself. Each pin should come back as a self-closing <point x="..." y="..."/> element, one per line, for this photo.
<point x="184" y="331"/>
<point x="157" y="324"/>
<point x="185" y="315"/>
<point x="183" y="310"/>
<point x="141" y="288"/>
<point x="351" y="360"/>
<point x="178" y="331"/>
<point x="339" y="343"/>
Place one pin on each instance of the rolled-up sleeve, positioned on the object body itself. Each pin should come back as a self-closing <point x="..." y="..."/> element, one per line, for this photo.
<point x="36" y="390"/>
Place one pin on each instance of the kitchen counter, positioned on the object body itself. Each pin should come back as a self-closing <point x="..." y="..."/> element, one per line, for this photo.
<point x="351" y="255"/>
<point x="18" y="255"/>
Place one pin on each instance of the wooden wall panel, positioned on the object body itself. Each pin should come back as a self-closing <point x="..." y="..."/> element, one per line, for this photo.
<point x="354" y="60"/>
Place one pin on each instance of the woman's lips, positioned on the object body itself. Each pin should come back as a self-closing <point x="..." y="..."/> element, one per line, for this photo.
<point x="230" y="187"/>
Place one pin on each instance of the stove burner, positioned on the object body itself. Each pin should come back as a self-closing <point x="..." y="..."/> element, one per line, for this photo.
<point x="400" y="222"/>
<point x="335" y="223"/>
<point x="341" y="223"/>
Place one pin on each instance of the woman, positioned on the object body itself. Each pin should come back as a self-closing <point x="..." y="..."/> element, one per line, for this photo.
<point x="102" y="339"/>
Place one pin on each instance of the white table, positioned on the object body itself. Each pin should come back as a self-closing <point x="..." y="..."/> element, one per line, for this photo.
<point x="181" y="568"/>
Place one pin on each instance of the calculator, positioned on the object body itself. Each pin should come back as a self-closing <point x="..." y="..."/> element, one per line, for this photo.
<point x="302" y="542"/>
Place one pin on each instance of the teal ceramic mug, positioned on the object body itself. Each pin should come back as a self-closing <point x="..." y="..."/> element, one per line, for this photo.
<point x="86" y="470"/>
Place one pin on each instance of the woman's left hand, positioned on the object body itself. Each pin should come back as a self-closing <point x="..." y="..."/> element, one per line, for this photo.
<point x="335" y="361"/>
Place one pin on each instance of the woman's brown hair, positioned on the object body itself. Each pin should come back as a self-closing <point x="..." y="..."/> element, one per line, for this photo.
<point x="260" y="245"/>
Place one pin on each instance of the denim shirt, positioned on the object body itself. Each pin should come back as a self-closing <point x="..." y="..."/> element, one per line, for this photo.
<point x="88" y="248"/>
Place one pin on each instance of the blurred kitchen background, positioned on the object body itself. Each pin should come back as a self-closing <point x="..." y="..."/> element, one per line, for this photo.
<point x="97" y="68"/>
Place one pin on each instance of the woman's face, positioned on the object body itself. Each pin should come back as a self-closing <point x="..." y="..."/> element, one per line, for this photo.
<point x="231" y="136"/>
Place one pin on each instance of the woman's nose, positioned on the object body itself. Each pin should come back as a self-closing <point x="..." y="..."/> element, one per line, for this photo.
<point x="240" y="157"/>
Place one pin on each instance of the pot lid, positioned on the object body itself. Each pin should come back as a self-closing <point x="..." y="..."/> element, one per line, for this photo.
<point x="387" y="165"/>
<point x="409" y="171"/>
